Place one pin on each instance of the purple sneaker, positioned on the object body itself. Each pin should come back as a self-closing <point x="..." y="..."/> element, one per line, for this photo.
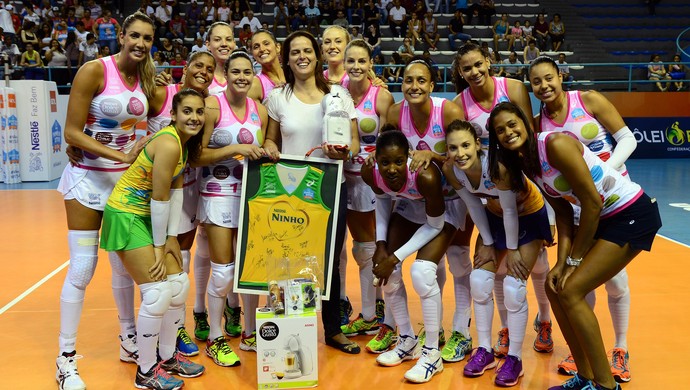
<point x="509" y="373"/>
<point x="575" y="383"/>
<point x="480" y="361"/>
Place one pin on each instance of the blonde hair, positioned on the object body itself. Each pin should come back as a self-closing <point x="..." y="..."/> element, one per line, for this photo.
<point x="337" y="27"/>
<point x="146" y="69"/>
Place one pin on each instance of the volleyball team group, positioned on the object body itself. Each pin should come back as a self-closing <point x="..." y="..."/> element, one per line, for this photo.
<point x="418" y="176"/>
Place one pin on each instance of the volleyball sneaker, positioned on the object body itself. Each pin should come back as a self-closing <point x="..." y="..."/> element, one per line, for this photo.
<point x="502" y="344"/>
<point x="428" y="365"/>
<point x="421" y="336"/>
<point x="457" y="347"/>
<point x="480" y="361"/>
<point x="407" y="348"/>
<point x="593" y="386"/>
<point x="221" y="353"/>
<point x="380" y="310"/>
<point x="67" y="375"/>
<point x="509" y="372"/>
<point x="201" y="326"/>
<point x="620" y="366"/>
<point x="248" y="343"/>
<point x="575" y="383"/>
<point x="567" y="366"/>
<point x="359" y="326"/>
<point x="232" y="320"/>
<point x="129" y="351"/>
<point x="345" y="311"/>
<point x="543" y="343"/>
<point x="180" y="365"/>
<point x="184" y="344"/>
<point x="157" y="378"/>
<point x="383" y="340"/>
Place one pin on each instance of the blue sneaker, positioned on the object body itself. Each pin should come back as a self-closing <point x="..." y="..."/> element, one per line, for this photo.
<point x="185" y="345"/>
<point x="575" y="383"/>
<point x="157" y="378"/>
<point x="509" y="373"/>
<point x="180" y="365"/>
<point x="345" y="311"/>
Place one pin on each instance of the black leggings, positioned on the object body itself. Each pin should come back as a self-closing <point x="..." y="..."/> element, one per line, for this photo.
<point x="330" y="310"/>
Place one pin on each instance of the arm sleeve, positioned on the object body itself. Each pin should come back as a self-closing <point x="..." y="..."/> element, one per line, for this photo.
<point x="508" y="201"/>
<point x="478" y="215"/>
<point x="421" y="237"/>
<point x="160" y="214"/>
<point x="625" y="146"/>
<point x="176" y="200"/>
<point x="383" y="215"/>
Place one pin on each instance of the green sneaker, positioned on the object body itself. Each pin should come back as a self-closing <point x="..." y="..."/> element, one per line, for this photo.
<point x="221" y="353"/>
<point x="201" y="327"/>
<point x="359" y="326"/>
<point x="456" y="348"/>
<point x="248" y="343"/>
<point x="384" y="339"/>
<point x="380" y="310"/>
<point x="232" y="321"/>
<point x="422" y="337"/>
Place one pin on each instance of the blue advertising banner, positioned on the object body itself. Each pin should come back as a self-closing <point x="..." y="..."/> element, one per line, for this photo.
<point x="666" y="137"/>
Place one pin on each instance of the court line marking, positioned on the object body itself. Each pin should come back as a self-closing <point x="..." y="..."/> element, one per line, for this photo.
<point x="674" y="241"/>
<point x="34" y="287"/>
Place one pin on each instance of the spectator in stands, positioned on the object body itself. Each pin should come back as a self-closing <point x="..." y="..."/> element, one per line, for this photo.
<point x="485" y="9"/>
<point x="379" y="60"/>
<point x="677" y="71"/>
<point x="501" y="30"/>
<point x="313" y="18"/>
<point x="95" y="9"/>
<point x="393" y="73"/>
<point x="193" y="16"/>
<point x="72" y="53"/>
<point x="281" y="17"/>
<point x="556" y="32"/>
<point x="486" y="48"/>
<point x="434" y="66"/>
<point x="78" y="9"/>
<point x="6" y="20"/>
<point x="163" y="15"/>
<point x="341" y="20"/>
<point x="160" y="62"/>
<point x="27" y="34"/>
<point x="512" y="68"/>
<point x="455" y="28"/>
<point x="245" y="35"/>
<point x="10" y="49"/>
<point x="32" y="63"/>
<point x="355" y="11"/>
<point x="495" y="58"/>
<point x="87" y="20"/>
<point x="414" y="28"/>
<point x="541" y="31"/>
<point x="198" y="46"/>
<point x="32" y="16"/>
<point x="177" y="27"/>
<point x="166" y="48"/>
<point x="108" y="29"/>
<point x="103" y="52"/>
<point x="241" y="7"/>
<point x="397" y="19"/>
<point x="59" y="32"/>
<point x="406" y="50"/>
<point x="180" y="48"/>
<point x="208" y="12"/>
<point x="419" y="9"/>
<point x="296" y="13"/>
<point x="45" y="34"/>
<point x="88" y="50"/>
<point x="517" y="33"/>
<point x="202" y="33"/>
<point x="373" y="38"/>
<point x="57" y="62"/>
<point x="148" y="9"/>
<point x="527" y="30"/>
<point x="355" y="34"/>
<point x="70" y="19"/>
<point x="564" y="70"/>
<point x="383" y="7"/>
<point x="81" y="32"/>
<point x="531" y="52"/>
<point x="430" y="29"/>
<point x="16" y="19"/>
<point x="657" y="71"/>
<point x="371" y="14"/>
<point x="223" y="12"/>
<point x="177" y="73"/>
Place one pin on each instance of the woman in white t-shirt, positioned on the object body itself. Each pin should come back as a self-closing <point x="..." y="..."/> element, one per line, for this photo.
<point x="223" y="12"/>
<point x="295" y="122"/>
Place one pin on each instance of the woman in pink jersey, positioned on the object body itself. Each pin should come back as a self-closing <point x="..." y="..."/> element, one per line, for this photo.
<point x="335" y="39"/>
<point x="398" y="236"/>
<point x="618" y="221"/>
<point x="265" y="51"/>
<point x="198" y="75"/>
<point x="110" y="95"/>
<point x="371" y="104"/>
<point x="478" y="93"/>
<point x="220" y="42"/>
<point x="591" y="118"/>
<point x="235" y="126"/>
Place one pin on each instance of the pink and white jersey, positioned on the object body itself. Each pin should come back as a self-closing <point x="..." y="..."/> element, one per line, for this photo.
<point x="486" y="188"/>
<point x="434" y="136"/>
<point x="409" y="190"/>
<point x="584" y="126"/>
<point x="215" y="88"/>
<point x="113" y="113"/>
<point x="616" y="191"/>
<point x="161" y="119"/>
<point x="477" y="115"/>
<point x="344" y="81"/>
<point x="368" y="124"/>
<point x="224" y="178"/>
<point x="267" y="85"/>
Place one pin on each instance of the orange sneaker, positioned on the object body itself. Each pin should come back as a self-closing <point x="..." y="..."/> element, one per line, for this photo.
<point x="543" y="343"/>
<point x="567" y="366"/>
<point x="501" y="347"/>
<point x="620" y="367"/>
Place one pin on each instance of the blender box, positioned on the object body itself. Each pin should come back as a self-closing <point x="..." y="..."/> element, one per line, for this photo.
<point x="286" y="348"/>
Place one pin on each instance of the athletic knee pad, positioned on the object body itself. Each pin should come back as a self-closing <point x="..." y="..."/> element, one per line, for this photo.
<point x="221" y="279"/>
<point x="515" y="293"/>
<point x="423" y="274"/>
<point x="542" y="265"/>
<point x="482" y="285"/>
<point x="459" y="260"/>
<point x="83" y="248"/>
<point x="155" y="300"/>
<point x="179" y="285"/>
<point x="394" y="281"/>
<point x="363" y="252"/>
<point x="617" y="286"/>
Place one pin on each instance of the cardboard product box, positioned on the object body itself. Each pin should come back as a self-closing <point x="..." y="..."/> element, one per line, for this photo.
<point x="286" y="350"/>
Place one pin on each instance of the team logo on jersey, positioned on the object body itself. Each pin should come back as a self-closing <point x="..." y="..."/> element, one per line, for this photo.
<point x="578" y="114"/>
<point x="254" y="117"/>
<point x="368" y="106"/>
<point x="596" y="146"/>
<point x="437" y="131"/>
<point x="503" y="99"/>
<point x="221" y="172"/>
<point x="308" y="193"/>
<point x="489" y="184"/>
<point x="221" y="137"/>
<point x="287" y="223"/>
<point x="111" y="107"/>
<point x="135" y="107"/>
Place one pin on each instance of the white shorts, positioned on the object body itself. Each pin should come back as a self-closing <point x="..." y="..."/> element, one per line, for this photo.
<point x="223" y="211"/>
<point x="190" y="204"/>
<point x="90" y="187"/>
<point x="415" y="211"/>
<point x="360" y="197"/>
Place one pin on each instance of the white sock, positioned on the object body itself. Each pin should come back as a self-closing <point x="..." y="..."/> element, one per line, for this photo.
<point x="379" y="293"/>
<point x="482" y="285"/>
<point x="538" y="275"/>
<point x="222" y="276"/>
<point x="250" y="303"/>
<point x="362" y="252"/>
<point x="423" y="274"/>
<point x="396" y="300"/>
<point x="619" y="306"/>
<point x="123" y="292"/>
<point x="202" y="270"/>
<point x="516" y="304"/>
<point x="343" y="271"/>
<point x="460" y="267"/>
<point x="441" y="277"/>
<point x="499" y="296"/>
<point x="155" y="302"/>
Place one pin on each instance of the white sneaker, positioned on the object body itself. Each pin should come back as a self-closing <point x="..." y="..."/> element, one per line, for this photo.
<point x="129" y="351"/>
<point x="67" y="375"/>
<point x="428" y="365"/>
<point x="407" y="348"/>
